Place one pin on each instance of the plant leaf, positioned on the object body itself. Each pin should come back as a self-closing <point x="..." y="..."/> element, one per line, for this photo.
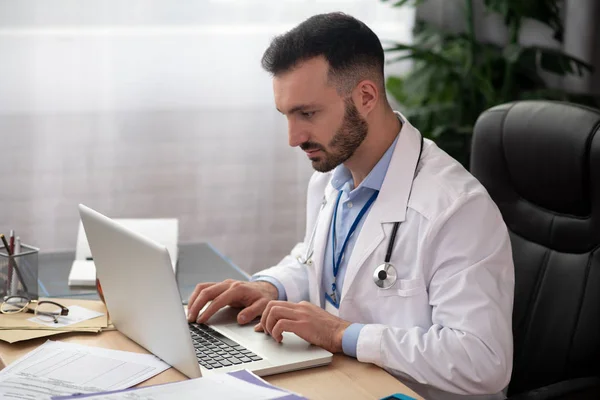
<point x="394" y="85"/>
<point x="512" y="52"/>
<point x="400" y="3"/>
<point x="558" y="62"/>
<point x="420" y="53"/>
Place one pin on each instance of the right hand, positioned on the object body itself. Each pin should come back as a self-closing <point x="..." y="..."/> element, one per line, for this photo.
<point x="253" y="297"/>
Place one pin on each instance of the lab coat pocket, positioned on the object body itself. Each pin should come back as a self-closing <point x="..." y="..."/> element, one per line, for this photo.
<point x="404" y="288"/>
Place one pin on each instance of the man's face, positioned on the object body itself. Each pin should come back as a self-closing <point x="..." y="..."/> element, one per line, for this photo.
<point x="327" y="126"/>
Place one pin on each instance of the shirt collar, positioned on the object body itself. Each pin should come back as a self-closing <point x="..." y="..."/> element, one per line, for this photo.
<point x="374" y="180"/>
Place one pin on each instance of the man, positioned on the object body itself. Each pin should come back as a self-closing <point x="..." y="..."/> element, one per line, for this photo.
<point x="439" y="317"/>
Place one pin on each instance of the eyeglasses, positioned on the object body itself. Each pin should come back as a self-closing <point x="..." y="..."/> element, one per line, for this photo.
<point x="45" y="310"/>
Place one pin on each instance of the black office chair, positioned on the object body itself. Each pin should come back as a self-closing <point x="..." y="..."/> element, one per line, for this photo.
<point x="540" y="162"/>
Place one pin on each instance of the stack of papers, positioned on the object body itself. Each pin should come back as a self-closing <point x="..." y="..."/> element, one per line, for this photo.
<point x="84" y="316"/>
<point x="63" y="369"/>
<point x="239" y="385"/>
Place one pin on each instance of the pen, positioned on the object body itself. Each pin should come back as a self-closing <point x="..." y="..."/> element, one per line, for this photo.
<point x="11" y="244"/>
<point x="7" y="246"/>
<point x="12" y="241"/>
<point x="11" y="261"/>
<point x="14" y="284"/>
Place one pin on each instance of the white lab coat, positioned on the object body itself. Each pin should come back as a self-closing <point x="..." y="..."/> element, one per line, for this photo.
<point x="445" y="327"/>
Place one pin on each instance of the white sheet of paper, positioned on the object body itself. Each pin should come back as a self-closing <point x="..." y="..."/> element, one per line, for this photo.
<point x="218" y="386"/>
<point x="60" y="369"/>
<point x="76" y="315"/>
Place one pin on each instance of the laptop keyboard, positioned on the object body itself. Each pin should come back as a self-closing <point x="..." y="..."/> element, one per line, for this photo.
<point x="214" y="350"/>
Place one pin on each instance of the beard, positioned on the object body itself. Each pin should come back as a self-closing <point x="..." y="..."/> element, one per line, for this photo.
<point x="344" y="143"/>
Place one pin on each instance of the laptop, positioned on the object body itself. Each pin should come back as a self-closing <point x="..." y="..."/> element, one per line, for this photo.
<point x="144" y="304"/>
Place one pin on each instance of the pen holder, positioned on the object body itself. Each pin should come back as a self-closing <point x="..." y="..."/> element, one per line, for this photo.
<point x="19" y="273"/>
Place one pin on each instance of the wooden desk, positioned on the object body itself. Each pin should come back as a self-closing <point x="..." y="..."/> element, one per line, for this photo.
<point x="344" y="378"/>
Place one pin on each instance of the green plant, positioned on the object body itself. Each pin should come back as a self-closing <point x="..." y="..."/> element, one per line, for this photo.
<point x="455" y="76"/>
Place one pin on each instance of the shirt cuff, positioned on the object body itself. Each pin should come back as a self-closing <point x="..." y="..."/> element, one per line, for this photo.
<point x="281" y="295"/>
<point x="350" y="339"/>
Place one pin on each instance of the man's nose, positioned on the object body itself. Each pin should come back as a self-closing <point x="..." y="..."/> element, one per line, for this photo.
<point x="296" y="135"/>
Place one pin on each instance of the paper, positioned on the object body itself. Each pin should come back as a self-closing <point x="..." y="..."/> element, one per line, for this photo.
<point x="76" y="314"/>
<point x="22" y="320"/>
<point x="62" y="369"/>
<point x="217" y="386"/>
<point x="161" y="230"/>
<point x="20" y="335"/>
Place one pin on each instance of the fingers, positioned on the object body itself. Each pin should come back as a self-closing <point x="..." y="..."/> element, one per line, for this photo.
<point x="265" y="314"/>
<point x="205" y="294"/>
<point x="267" y="311"/>
<point x="233" y="294"/>
<point x="278" y="313"/>
<point x="252" y="311"/>
<point x="285" y="325"/>
<point x="199" y="287"/>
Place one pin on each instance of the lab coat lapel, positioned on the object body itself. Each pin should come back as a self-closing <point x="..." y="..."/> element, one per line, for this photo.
<point x="320" y="243"/>
<point x="391" y="202"/>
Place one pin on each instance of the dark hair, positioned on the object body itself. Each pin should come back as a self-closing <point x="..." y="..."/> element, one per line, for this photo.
<point x="351" y="48"/>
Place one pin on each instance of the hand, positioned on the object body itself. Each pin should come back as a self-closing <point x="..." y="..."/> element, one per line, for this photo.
<point x="306" y="320"/>
<point x="252" y="296"/>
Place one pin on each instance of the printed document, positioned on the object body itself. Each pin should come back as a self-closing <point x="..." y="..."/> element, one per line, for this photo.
<point x="60" y="369"/>
<point x="214" y="386"/>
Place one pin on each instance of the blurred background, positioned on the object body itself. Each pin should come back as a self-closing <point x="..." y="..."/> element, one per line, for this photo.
<point x="155" y="108"/>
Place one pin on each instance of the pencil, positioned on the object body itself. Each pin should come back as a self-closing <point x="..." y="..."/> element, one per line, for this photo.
<point x="11" y="243"/>
<point x="5" y="244"/>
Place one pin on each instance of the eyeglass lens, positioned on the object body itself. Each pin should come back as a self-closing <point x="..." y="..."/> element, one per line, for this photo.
<point x="48" y="312"/>
<point x="14" y="304"/>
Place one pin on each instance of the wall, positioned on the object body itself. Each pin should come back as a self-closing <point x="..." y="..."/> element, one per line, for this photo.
<point x="156" y="109"/>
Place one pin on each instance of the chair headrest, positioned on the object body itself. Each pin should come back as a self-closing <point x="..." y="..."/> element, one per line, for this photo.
<point x="540" y="161"/>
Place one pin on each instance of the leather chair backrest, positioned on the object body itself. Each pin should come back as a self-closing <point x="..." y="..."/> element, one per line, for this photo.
<point x="540" y="162"/>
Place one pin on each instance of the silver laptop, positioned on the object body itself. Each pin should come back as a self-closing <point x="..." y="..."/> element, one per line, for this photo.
<point x="143" y="301"/>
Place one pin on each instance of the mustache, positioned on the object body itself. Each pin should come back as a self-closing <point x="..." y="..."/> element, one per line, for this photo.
<point x="311" y="146"/>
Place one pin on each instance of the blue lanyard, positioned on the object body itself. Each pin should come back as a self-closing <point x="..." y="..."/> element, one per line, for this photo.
<point x="363" y="211"/>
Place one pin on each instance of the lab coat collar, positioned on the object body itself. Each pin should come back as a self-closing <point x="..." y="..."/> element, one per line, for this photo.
<point x="392" y="201"/>
<point x="391" y="204"/>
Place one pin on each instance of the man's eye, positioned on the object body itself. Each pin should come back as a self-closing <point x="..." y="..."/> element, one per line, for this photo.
<point x="307" y="114"/>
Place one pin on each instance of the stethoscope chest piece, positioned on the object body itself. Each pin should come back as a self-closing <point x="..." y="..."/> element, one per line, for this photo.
<point x="385" y="276"/>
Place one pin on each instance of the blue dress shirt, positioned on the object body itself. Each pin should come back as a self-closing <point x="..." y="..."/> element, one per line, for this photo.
<point x="352" y="200"/>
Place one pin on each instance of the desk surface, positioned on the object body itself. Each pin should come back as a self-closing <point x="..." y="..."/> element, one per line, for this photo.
<point x="54" y="271"/>
<point x="344" y="378"/>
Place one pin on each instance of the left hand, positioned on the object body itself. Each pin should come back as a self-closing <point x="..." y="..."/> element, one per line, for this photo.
<point x="306" y="320"/>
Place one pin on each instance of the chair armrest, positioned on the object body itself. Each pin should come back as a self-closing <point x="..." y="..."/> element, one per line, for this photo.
<point x="572" y="389"/>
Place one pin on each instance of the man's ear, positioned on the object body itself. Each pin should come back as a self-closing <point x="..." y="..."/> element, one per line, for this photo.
<point x="365" y="96"/>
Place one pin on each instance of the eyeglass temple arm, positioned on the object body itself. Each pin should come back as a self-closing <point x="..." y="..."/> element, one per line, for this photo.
<point x="63" y="310"/>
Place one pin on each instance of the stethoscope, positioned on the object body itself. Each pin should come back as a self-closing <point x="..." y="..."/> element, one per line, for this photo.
<point x="307" y="258"/>
<point x="385" y="275"/>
